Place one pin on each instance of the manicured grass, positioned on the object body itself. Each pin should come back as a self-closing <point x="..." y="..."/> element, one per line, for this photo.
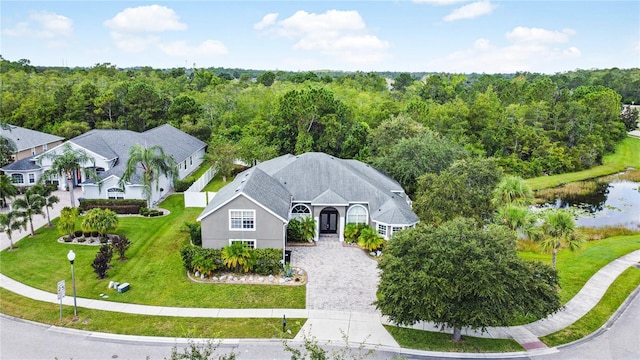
<point x="626" y="155"/>
<point x="575" y="268"/>
<point x="130" y="324"/>
<point x="435" y="341"/>
<point x="617" y="293"/>
<point x="201" y="170"/>
<point x="154" y="268"/>
<point x="216" y="184"/>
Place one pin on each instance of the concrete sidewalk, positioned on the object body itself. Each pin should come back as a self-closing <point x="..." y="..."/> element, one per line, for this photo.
<point x="363" y="328"/>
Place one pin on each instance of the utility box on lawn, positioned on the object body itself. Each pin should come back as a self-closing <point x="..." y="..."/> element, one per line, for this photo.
<point x="123" y="288"/>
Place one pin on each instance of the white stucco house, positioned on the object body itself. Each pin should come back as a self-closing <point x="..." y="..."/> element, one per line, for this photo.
<point x="109" y="150"/>
<point x="29" y="143"/>
<point x="257" y="205"/>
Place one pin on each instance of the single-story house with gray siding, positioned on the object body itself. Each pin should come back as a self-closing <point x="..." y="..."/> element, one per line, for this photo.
<point x="257" y="205"/>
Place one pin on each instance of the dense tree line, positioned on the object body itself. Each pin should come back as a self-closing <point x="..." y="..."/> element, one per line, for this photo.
<point x="407" y="124"/>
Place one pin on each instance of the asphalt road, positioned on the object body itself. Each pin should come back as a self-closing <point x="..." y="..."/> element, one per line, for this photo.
<point x="25" y="340"/>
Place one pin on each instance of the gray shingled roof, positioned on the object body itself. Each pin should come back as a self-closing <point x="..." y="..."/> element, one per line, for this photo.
<point x="323" y="179"/>
<point x="116" y="144"/>
<point x="25" y="164"/>
<point x="26" y="139"/>
<point x="257" y="185"/>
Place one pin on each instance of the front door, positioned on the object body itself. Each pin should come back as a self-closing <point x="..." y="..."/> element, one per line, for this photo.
<point x="329" y="221"/>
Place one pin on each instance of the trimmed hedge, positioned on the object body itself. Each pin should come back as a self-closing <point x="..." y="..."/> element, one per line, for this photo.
<point x="183" y="185"/>
<point x="119" y="206"/>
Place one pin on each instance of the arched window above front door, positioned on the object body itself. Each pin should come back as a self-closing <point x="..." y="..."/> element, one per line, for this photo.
<point x="299" y="211"/>
<point x="357" y="214"/>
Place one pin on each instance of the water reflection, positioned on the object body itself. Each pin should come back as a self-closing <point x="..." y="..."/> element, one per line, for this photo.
<point x="610" y="204"/>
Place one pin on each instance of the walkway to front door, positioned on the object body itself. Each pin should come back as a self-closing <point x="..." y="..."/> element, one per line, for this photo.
<point x="339" y="277"/>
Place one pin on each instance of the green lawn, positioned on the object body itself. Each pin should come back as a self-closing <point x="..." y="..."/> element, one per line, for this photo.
<point x="575" y="268"/>
<point x="436" y="341"/>
<point x="626" y="155"/>
<point x="154" y="268"/>
<point x="144" y="325"/>
<point x="617" y="293"/>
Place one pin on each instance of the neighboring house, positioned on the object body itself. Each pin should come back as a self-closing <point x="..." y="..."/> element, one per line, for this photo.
<point x="256" y="207"/>
<point x="29" y="143"/>
<point x="110" y="151"/>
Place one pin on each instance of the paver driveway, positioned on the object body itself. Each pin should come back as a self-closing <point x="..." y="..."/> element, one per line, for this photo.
<point x="339" y="277"/>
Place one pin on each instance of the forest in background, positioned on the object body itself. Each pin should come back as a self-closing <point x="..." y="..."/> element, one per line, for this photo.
<point x="406" y="124"/>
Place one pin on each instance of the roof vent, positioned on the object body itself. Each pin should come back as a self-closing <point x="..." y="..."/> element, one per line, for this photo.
<point x="238" y="189"/>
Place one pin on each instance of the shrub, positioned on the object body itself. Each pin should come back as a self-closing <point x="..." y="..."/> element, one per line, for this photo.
<point x="101" y="262"/>
<point x="67" y="238"/>
<point x="189" y="253"/>
<point x="352" y="232"/>
<point x="81" y="239"/>
<point x="183" y="185"/>
<point x="120" y="244"/>
<point x="294" y="230"/>
<point x="238" y="257"/>
<point x="267" y="261"/>
<point x="119" y="206"/>
<point x="369" y="239"/>
<point x="77" y="233"/>
<point x="194" y="230"/>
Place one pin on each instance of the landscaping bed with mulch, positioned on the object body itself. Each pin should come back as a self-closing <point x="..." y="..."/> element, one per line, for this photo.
<point x="298" y="277"/>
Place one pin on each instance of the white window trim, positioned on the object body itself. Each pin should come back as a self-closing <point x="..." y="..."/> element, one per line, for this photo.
<point x="299" y="215"/>
<point x="366" y="213"/>
<point x="243" y="210"/>
<point x="244" y="241"/>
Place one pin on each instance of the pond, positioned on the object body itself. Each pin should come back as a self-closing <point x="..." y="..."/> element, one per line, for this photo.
<point x="612" y="202"/>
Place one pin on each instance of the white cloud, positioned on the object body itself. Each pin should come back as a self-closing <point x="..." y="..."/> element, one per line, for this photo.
<point x="152" y="18"/>
<point x="51" y="27"/>
<point x="266" y="21"/>
<point x="523" y="34"/>
<point x="339" y="34"/>
<point x="137" y="29"/>
<point x="471" y="11"/>
<point x="527" y="49"/>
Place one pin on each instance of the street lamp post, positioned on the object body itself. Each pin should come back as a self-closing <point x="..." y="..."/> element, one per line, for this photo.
<point x="72" y="256"/>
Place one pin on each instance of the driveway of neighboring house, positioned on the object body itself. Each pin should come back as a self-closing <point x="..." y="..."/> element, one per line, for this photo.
<point x="339" y="277"/>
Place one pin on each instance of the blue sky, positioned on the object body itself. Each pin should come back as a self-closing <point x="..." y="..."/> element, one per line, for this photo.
<point x="485" y="36"/>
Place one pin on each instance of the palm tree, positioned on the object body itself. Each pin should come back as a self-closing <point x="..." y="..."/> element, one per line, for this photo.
<point x="512" y="190"/>
<point x="559" y="228"/>
<point x="28" y="205"/>
<point x="67" y="222"/>
<point x="7" y="189"/>
<point x="50" y="200"/>
<point x="238" y="256"/>
<point x="307" y="228"/>
<point x="152" y="162"/>
<point x="9" y="222"/>
<point x="68" y="164"/>
<point x="101" y="220"/>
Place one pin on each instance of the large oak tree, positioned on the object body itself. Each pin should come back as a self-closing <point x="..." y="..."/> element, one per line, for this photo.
<point x="460" y="275"/>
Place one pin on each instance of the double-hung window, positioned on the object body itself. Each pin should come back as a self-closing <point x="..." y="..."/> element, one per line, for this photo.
<point x="242" y="220"/>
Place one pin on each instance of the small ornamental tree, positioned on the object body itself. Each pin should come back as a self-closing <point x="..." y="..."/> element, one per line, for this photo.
<point x="100" y="264"/>
<point x="462" y="275"/>
<point x="370" y="240"/>
<point x="120" y="244"/>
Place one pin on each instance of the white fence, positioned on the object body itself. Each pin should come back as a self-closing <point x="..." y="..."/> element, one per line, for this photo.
<point x="193" y="197"/>
<point x="198" y="199"/>
<point x="202" y="181"/>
